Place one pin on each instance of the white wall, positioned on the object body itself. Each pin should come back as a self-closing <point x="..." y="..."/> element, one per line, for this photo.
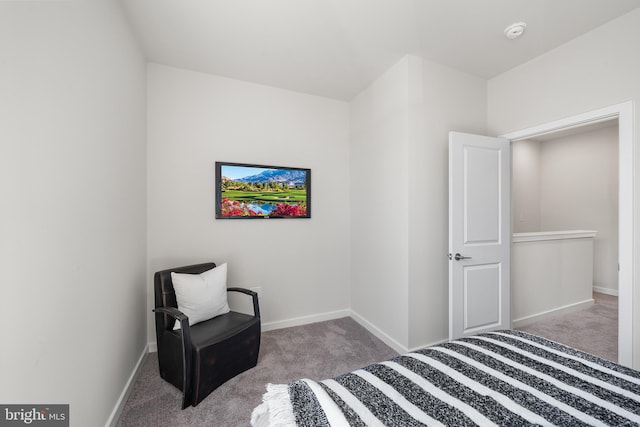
<point x="379" y="203"/>
<point x="399" y="151"/>
<point x="525" y="186"/>
<point x="570" y="183"/>
<point x="444" y="100"/>
<point x="549" y="275"/>
<point x="579" y="190"/>
<point x="72" y="222"/>
<point x="194" y="120"/>
<point x="596" y="70"/>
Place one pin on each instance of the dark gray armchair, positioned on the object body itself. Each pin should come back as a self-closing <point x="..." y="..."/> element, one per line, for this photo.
<point x="197" y="359"/>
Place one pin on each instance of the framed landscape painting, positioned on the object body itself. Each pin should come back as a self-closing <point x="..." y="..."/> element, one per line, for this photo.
<point x="257" y="191"/>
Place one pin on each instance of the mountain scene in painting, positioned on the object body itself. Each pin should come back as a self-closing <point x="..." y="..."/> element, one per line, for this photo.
<point x="263" y="192"/>
<point x="291" y="177"/>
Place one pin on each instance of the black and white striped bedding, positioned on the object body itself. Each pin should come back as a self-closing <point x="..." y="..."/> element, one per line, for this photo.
<point x="507" y="378"/>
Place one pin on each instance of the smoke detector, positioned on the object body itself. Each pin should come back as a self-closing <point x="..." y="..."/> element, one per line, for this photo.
<point x="514" y="31"/>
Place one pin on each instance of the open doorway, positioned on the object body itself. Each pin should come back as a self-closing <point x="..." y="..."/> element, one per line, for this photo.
<point x="564" y="257"/>
<point x="624" y="115"/>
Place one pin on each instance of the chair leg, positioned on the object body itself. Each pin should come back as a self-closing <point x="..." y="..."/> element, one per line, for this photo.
<point x="187" y="392"/>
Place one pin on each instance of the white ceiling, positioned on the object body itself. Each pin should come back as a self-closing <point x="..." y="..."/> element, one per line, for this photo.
<point x="335" y="48"/>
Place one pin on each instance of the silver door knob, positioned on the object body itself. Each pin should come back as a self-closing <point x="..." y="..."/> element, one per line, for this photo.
<point x="458" y="257"/>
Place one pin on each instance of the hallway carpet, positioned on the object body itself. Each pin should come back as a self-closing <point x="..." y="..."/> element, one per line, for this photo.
<point x="594" y="329"/>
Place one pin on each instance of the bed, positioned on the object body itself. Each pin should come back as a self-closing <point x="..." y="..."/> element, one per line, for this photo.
<point x="507" y="378"/>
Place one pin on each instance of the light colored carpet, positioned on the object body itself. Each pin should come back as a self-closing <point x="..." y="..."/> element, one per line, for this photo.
<point x="324" y="350"/>
<point x="317" y="351"/>
<point x="594" y="329"/>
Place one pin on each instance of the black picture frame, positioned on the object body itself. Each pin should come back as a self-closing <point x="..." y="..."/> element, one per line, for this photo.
<point x="252" y="191"/>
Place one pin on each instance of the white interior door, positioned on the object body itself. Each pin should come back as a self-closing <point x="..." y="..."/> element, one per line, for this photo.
<point x="479" y="234"/>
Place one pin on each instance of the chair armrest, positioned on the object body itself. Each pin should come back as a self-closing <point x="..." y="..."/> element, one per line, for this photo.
<point x="254" y="296"/>
<point x="186" y="350"/>
<point x="175" y="313"/>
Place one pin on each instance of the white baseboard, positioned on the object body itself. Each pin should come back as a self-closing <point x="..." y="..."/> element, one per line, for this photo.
<point x="606" y="291"/>
<point x="378" y="333"/>
<point x="122" y="400"/>
<point x="399" y="348"/>
<point x="288" y="323"/>
<point x="429" y="345"/>
<point x="524" y="321"/>
<point x="304" y="320"/>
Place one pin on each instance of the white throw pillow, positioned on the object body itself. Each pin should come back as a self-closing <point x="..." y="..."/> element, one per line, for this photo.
<point x="201" y="296"/>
